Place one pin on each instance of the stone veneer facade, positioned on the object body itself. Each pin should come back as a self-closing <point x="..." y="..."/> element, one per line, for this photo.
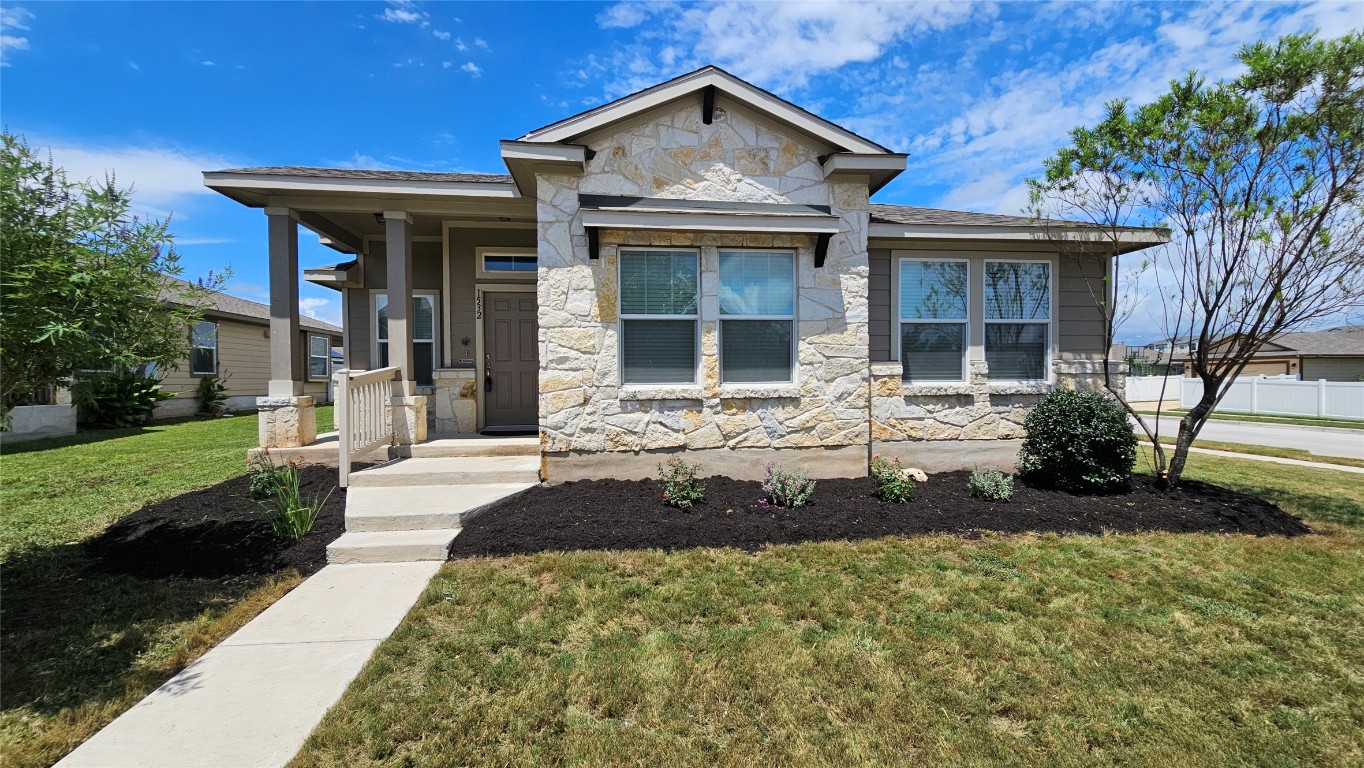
<point x="583" y="405"/>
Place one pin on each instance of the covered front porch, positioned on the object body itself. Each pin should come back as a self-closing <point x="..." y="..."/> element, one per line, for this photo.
<point x="437" y="281"/>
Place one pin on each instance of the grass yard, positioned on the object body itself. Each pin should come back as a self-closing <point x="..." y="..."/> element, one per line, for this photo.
<point x="1265" y="450"/>
<point x="1147" y="649"/>
<point x="81" y="644"/>
<point x="1262" y="418"/>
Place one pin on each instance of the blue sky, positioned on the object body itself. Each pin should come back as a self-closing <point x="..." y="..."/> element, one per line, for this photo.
<point x="978" y="93"/>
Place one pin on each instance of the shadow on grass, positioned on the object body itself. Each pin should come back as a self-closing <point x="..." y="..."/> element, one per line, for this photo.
<point x="90" y="436"/>
<point x="73" y="633"/>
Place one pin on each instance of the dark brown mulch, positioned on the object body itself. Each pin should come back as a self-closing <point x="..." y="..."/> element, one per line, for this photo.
<point x="218" y="531"/>
<point x="621" y="514"/>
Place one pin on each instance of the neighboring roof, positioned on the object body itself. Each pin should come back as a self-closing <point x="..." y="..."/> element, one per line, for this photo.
<point x="378" y="175"/>
<point x="909" y="214"/>
<point x="225" y="304"/>
<point x="1346" y="342"/>
<point x="757" y="98"/>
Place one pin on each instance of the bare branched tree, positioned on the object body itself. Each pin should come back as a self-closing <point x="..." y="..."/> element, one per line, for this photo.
<point x="1260" y="182"/>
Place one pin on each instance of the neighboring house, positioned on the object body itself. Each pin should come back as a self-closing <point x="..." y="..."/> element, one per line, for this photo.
<point x="232" y="342"/>
<point x="698" y="267"/>
<point x="1333" y="355"/>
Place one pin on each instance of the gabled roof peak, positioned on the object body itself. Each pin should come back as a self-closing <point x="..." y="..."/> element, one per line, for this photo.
<point x="710" y="76"/>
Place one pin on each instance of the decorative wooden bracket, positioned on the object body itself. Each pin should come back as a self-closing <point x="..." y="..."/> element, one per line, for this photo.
<point x="707" y="104"/>
<point x="821" y="248"/>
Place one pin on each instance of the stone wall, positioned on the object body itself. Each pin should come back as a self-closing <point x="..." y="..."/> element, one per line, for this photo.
<point x="454" y="403"/>
<point x="584" y="408"/>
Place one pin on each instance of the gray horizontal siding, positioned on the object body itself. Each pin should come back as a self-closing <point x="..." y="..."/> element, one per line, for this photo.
<point x="879" y="310"/>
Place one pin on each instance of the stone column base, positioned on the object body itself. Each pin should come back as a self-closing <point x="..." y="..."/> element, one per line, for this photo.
<point x="286" y="422"/>
<point x="409" y="419"/>
<point x="456" y="401"/>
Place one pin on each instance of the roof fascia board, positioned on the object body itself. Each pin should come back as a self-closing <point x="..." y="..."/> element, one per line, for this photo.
<point x="525" y="159"/>
<point x="892" y="231"/>
<point x="587" y="122"/>
<point x="268" y="183"/>
<point x="862" y="163"/>
<point x="448" y="207"/>
<point x="711" y="222"/>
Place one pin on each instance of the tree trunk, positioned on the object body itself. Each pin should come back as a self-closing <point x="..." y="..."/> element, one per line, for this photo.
<point x="1189" y="427"/>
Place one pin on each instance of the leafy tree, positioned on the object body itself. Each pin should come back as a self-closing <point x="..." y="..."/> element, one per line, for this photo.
<point x="1259" y="182"/>
<point x="83" y="280"/>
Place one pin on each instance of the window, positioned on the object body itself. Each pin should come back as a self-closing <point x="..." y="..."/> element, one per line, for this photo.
<point x="319" y="357"/>
<point x="757" y="316"/>
<point x="203" y="355"/>
<point x="658" y="316"/>
<point x="508" y="262"/>
<point x="933" y="319"/>
<point x="1017" y="319"/>
<point x="423" y="325"/>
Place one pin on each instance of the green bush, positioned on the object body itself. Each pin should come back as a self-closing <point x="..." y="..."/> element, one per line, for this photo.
<point x="289" y="515"/>
<point x="681" y="489"/>
<point x="265" y="476"/>
<point x="1079" y="442"/>
<point x="212" y="395"/>
<point x="894" y="483"/>
<point x="787" y="487"/>
<point x="991" y="485"/>
<point x="117" y="399"/>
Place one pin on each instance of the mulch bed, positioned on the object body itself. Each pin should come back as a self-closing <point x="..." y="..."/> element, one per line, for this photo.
<point x="625" y="514"/>
<point x="218" y="531"/>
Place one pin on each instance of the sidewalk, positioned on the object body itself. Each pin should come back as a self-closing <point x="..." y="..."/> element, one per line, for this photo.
<point x="1271" y="459"/>
<point x="253" y="700"/>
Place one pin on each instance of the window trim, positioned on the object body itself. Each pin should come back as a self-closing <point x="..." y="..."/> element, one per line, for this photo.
<point x="193" y="347"/>
<point x="482" y="252"/>
<point x="622" y="316"/>
<point x="898" y="345"/>
<point x="1051" y="322"/>
<point x="794" y="318"/>
<point x="308" y="368"/>
<point x="374" y="341"/>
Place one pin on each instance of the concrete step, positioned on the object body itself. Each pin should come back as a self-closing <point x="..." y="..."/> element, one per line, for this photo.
<point x="421" y="507"/>
<point x="392" y="546"/>
<point x="470" y="445"/>
<point x="450" y="471"/>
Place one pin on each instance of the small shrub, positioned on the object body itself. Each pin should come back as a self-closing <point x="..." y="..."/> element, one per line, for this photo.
<point x="894" y="482"/>
<point x="1079" y="442"/>
<point x="117" y="399"/>
<point x="264" y="474"/>
<point x="212" y="395"/>
<point x="991" y="485"/>
<point x="289" y="515"/>
<point x="787" y="487"/>
<point x="681" y="489"/>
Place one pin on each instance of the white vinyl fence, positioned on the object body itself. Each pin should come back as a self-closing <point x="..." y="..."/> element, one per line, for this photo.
<point x="1148" y="389"/>
<point x="1282" y="396"/>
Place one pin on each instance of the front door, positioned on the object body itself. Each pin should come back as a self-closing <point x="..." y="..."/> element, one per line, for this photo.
<point x="511" y="360"/>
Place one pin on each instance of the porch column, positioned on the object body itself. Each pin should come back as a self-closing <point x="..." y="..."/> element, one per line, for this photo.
<point x="286" y="418"/>
<point x="408" y="409"/>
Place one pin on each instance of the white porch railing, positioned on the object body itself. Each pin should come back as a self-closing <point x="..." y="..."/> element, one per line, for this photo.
<point x="362" y="419"/>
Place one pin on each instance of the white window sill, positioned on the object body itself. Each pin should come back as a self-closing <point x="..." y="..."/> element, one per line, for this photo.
<point x="660" y="392"/>
<point x="1021" y="387"/>
<point x="736" y="391"/>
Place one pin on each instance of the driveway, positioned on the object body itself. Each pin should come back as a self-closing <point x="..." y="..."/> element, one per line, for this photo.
<point x="1323" y="441"/>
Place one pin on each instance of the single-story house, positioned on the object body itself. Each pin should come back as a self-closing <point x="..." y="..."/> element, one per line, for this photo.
<point x="232" y="342"/>
<point x="1334" y="355"/>
<point x="695" y="267"/>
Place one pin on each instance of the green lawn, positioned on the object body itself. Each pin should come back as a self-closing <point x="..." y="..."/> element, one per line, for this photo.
<point x="1264" y="450"/>
<point x="80" y="645"/>
<point x="1144" y="650"/>
<point x="1301" y="421"/>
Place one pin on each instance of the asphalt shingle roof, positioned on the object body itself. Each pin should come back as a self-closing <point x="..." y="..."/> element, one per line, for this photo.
<point x="379" y="175"/>
<point x="909" y="214"/>
<point x="1340" y="341"/>
<point x="235" y="305"/>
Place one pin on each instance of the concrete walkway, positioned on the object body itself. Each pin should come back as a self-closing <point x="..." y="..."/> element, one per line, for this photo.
<point x="253" y="700"/>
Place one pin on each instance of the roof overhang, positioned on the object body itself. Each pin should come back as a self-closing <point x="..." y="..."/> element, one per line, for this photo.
<point x="1127" y="240"/>
<point x="336" y="276"/>
<point x="834" y="135"/>
<point x="876" y="170"/>
<point x="524" y="159"/>
<point x="254" y="190"/>
<point x="599" y="212"/>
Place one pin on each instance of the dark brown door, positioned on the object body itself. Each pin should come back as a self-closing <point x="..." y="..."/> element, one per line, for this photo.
<point x="511" y="361"/>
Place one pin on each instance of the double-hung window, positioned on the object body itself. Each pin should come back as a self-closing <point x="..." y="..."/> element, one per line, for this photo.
<point x="1018" y="311"/>
<point x="757" y="316"/>
<point x="659" y="292"/>
<point x="319" y="357"/>
<point x="422" y="322"/>
<point x="203" y="355"/>
<point x="934" y="320"/>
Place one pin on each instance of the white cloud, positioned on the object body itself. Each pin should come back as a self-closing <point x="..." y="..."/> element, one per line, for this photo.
<point x="12" y="20"/>
<point x="361" y="161"/>
<point x="203" y="240"/>
<point x="404" y="12"/>
<point x="161" y="177"/>
<point x="318" y="308"/>
<point x="446" y="64"/>
<point x="481" y="43"/>
<point x="623" y="16"/>
<point x="460" y="46"/>
<point x="209" y="63"/>
<point x="472" y="68"/>
<point x="440" y="34"/>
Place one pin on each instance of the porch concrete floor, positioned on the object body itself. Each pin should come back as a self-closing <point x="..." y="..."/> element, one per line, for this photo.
<point x="253" y="700"/>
